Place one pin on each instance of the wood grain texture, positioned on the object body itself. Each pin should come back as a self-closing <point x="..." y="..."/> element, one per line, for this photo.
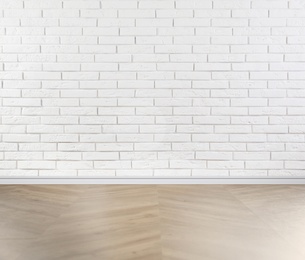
<point x="171" y="222"/>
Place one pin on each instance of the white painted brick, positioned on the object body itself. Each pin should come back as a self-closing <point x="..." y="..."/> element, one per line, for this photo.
<point x="49" y="13"/>
<point x="43" y="4"/>
<point x="75" y="147"/>
<point x="157" y="129"/>
<point x="37" y="146"/>
<point x="112" y="164"/>
<point x="63" y="31"/>
<point x="211" y="31"/>
<point x="107" y="147"/>
<point x="7" y="164"/>
<point x="136" y="13"/>
<point x="249" y="120"/>
<point x="43" y="22"/>
<point x="154" y="111"/>
<point x="266" y="147"/>
<point x="23" y="102"/>
<point x="193" y="75"/>
<point x="153" y="146"/>
<point x="97" y="13"/>
<point x="221" y="111"/>
<point x="161" y="22"/>
<point x="225" y="164"/>
<point x="23" y="156"/>
<point x="210" y="137"/>
<point x="135" y="120"/>
<point x="191" y="40"/>
<point x="151" y="164"/>
<point x="251" y="156"/>
<point x="78" y="111"/>
<point x="98" y="138"/>
<point x="174" y="120"/>
<point x="97" y="120"/>
<point x="42" y="75"/>
<point x="229" y="22"/>
<point x="264" y="57"/>
<point x="134" y="138"/>
<point x="93" y="102"/>
<point x="190" y="146"/>
<point x="62" y="102"/>
<point x="174" y="13"/>
<point x="119" y="4"/>
<point x="138" y="155"/>
<point x="62" y="156"/>
<point x="264" y="165"/>
<point x="270" y="22"/>
<point x="214" y="156"/>
<point x="37" y="129"/>
<point x="187" y="164"/>
<point x="152" y="88"/>
<point x="254" y="102"/>
<point x="100" y="155"/>
<point x="20" y="49"/>
<point x="228" y="146"/>
<point x="172" y="102"/>
<point x="193" y="4"/>
<point x="8" y="4"/>
<point x="173" y="49"/>
<point x="257" y="49"/>
<point x="172" y="137"/>
<point x="74" y="165"/>
<point x="271" y="40"/>
<point x="233" y="129"/>
<point x="192" y="111"/>
<point x="191" y="22"/>
<point x="81" y="4"/>
<point x="212" y="120"/>
<point x="211" y="13"/>
<point x="36" y="164"/>
<point x="22" y="31"/>
<point x="270" y="5"/>
<point x="90" y="129"/>
<point x="234" y="4"/>
<point x="176" y="31"/>
<point x="268" y="75"/>
<point x="251" y="138"/>
<point x="287" y="156"/>
<point x="54" y="138"/>
<point x="78" y="40"/>
<point x="293" y="138"/>
<point x="155" y="4"/>
<point x="250" y="12"/>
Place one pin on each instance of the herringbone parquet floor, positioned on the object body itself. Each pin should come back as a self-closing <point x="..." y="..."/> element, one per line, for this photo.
<point x="152" y="222"/>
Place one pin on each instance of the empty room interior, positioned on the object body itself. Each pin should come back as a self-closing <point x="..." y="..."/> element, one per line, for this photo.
<point x="152" y="129"/>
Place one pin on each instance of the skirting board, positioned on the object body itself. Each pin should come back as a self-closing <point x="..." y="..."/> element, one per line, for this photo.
<point x="189" y="180"/>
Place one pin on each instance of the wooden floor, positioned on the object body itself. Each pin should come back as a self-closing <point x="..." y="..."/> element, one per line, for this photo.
<point x="150" y="222"/>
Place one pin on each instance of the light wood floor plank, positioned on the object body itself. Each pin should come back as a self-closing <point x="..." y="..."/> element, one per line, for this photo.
<point x="152" y="222"/>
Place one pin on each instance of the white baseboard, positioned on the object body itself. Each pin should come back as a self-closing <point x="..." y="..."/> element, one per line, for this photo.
<point x="189" y="180"/>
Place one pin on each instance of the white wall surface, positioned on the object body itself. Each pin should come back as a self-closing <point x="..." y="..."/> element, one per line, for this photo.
<point x="152" y="88"/>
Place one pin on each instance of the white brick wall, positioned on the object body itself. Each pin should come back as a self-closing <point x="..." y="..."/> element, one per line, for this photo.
<point x="152" y="88"/>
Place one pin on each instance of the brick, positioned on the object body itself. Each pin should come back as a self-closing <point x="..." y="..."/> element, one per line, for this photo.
<point x="152" y="88"/>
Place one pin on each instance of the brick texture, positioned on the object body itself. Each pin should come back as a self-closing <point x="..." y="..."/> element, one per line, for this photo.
<point x="152" y="88"/>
